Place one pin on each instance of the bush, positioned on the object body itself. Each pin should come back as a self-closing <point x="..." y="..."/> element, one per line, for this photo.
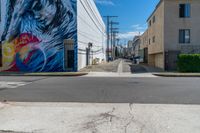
<point x="189" y="63"/>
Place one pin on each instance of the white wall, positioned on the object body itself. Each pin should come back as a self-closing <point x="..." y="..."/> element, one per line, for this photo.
<point x="91" y="28"/>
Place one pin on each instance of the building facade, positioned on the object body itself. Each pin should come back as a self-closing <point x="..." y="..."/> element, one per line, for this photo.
<point x="129" y="48"/>
<point x="143" y="49"/>
<point x="50" y="36"/>
<point x="91" y="29"/>
<point x="136" y="46"/>
<point x="173" y="28"/>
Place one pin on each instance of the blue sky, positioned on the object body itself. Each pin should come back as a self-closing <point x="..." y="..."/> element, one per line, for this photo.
<point x="132" y="14"/>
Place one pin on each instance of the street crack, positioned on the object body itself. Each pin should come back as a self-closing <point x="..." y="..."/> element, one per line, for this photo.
<point x="100" y="119"/>
<point x="10" y="131"/>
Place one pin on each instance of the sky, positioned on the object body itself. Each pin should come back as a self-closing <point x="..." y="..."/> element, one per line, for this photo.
<point x="132" y="15"/>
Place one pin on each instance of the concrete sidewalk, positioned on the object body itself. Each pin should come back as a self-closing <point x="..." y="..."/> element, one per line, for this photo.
<point x="71" y="74"/>
<point x="117" y="75"/>
<point x="176" y="74"/>
<point x="98" y="118"/>
<point x="104" y="67"/>
<point x="162" y="73"/>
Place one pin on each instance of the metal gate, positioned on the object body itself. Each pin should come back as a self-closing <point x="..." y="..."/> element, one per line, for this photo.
<point x="69" y="54"/>
<point x="171" y="58"/>
<point x="87" y="56"/>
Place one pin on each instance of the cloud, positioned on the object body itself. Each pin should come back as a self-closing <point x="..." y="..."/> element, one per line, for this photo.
<point x="105" y="2"/>
<point x="129" y="35"/>
<point x="139" y="27"/>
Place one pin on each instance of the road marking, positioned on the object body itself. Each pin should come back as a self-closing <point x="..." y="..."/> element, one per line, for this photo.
<point x="120" y="67"/>
<point x="5" y="84"/>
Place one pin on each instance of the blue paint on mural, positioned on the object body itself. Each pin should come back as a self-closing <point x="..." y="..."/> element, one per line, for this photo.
<point x="34" y="33"/>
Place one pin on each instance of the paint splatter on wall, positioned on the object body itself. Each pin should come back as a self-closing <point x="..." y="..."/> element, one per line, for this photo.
<point x="34" y="34"/>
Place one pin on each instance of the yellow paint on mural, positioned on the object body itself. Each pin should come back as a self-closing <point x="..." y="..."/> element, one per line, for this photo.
<point x="9" y="50"/>
<point x="8" y="53"/>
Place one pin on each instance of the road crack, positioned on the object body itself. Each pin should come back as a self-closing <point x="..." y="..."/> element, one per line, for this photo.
<point x="10" y="131"/>
<point x="99" y="120"/>
<point x="133" y="120"/>
<point x="96" y="122"/>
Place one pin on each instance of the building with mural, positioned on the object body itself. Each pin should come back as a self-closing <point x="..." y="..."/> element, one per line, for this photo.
<point x="50" y="35"/>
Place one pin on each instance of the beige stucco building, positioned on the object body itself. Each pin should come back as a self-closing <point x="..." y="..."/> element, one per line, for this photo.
<point x="133" y="47"/>
<point x="143" y="48"/>
<point x="173" y="28"/>
<point x="136" y="46"/>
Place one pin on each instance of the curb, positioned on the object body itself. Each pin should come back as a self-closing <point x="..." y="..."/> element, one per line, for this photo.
<point x="64" y="74"/>
<point x="177" y="74"/>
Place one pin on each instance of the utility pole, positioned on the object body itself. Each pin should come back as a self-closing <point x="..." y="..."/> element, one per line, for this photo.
<point x="114" y="43"/>
<point x="118" y="49"/>
<point x="112" y="36"/>
<point x="108" y="34"/>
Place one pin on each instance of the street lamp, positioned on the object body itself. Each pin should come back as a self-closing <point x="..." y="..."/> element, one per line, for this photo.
<point x="90" y="45"/>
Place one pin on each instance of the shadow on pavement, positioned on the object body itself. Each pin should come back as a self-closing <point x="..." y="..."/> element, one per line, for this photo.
<point x="137" y="69"/>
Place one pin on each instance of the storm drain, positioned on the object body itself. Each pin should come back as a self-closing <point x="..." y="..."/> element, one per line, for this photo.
<point x="7" y="85"/>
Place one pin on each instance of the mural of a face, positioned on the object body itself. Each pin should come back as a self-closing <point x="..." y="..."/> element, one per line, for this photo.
<point x="34" y="33"/>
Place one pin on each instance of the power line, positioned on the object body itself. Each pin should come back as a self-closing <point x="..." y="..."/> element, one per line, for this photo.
<point x="91" y="26"/>
<point x="87" y="43"/>
<point x="90" y="38"/>
<point x="114" y="30"/>
<point x="108" y="18"/>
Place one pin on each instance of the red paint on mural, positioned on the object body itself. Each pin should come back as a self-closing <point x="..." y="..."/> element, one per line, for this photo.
<point x="25" y="45"/>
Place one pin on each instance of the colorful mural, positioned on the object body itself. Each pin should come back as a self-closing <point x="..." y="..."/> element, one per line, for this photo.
<point x="34" y="33"/>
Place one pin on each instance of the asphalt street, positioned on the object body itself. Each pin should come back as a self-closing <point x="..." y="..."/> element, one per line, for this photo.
<point x="157" y="90"/>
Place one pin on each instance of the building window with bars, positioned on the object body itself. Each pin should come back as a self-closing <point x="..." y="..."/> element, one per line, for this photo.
<point x="184" y="36"/>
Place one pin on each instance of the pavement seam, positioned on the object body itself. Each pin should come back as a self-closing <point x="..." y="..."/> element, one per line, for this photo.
<point x="120" y="67"/>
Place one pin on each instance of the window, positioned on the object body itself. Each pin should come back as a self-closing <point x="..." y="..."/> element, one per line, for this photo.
<point x="149" y="41"/>
<point x="149" y="23"/>
<point x="154" y="19"/>
<point x="184" y="10"/>
<point x="154" y="39"/>
<point x="184" y="36"/>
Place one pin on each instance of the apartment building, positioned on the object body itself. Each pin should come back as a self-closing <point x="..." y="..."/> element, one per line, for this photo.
<point x="143" y="47"/>
<point x="50" y="36"/>
<point x="173" y="28"/>
<point x="136" y="46"/>
<point x="133" y="47"/>
<point x="130" y="48"/>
